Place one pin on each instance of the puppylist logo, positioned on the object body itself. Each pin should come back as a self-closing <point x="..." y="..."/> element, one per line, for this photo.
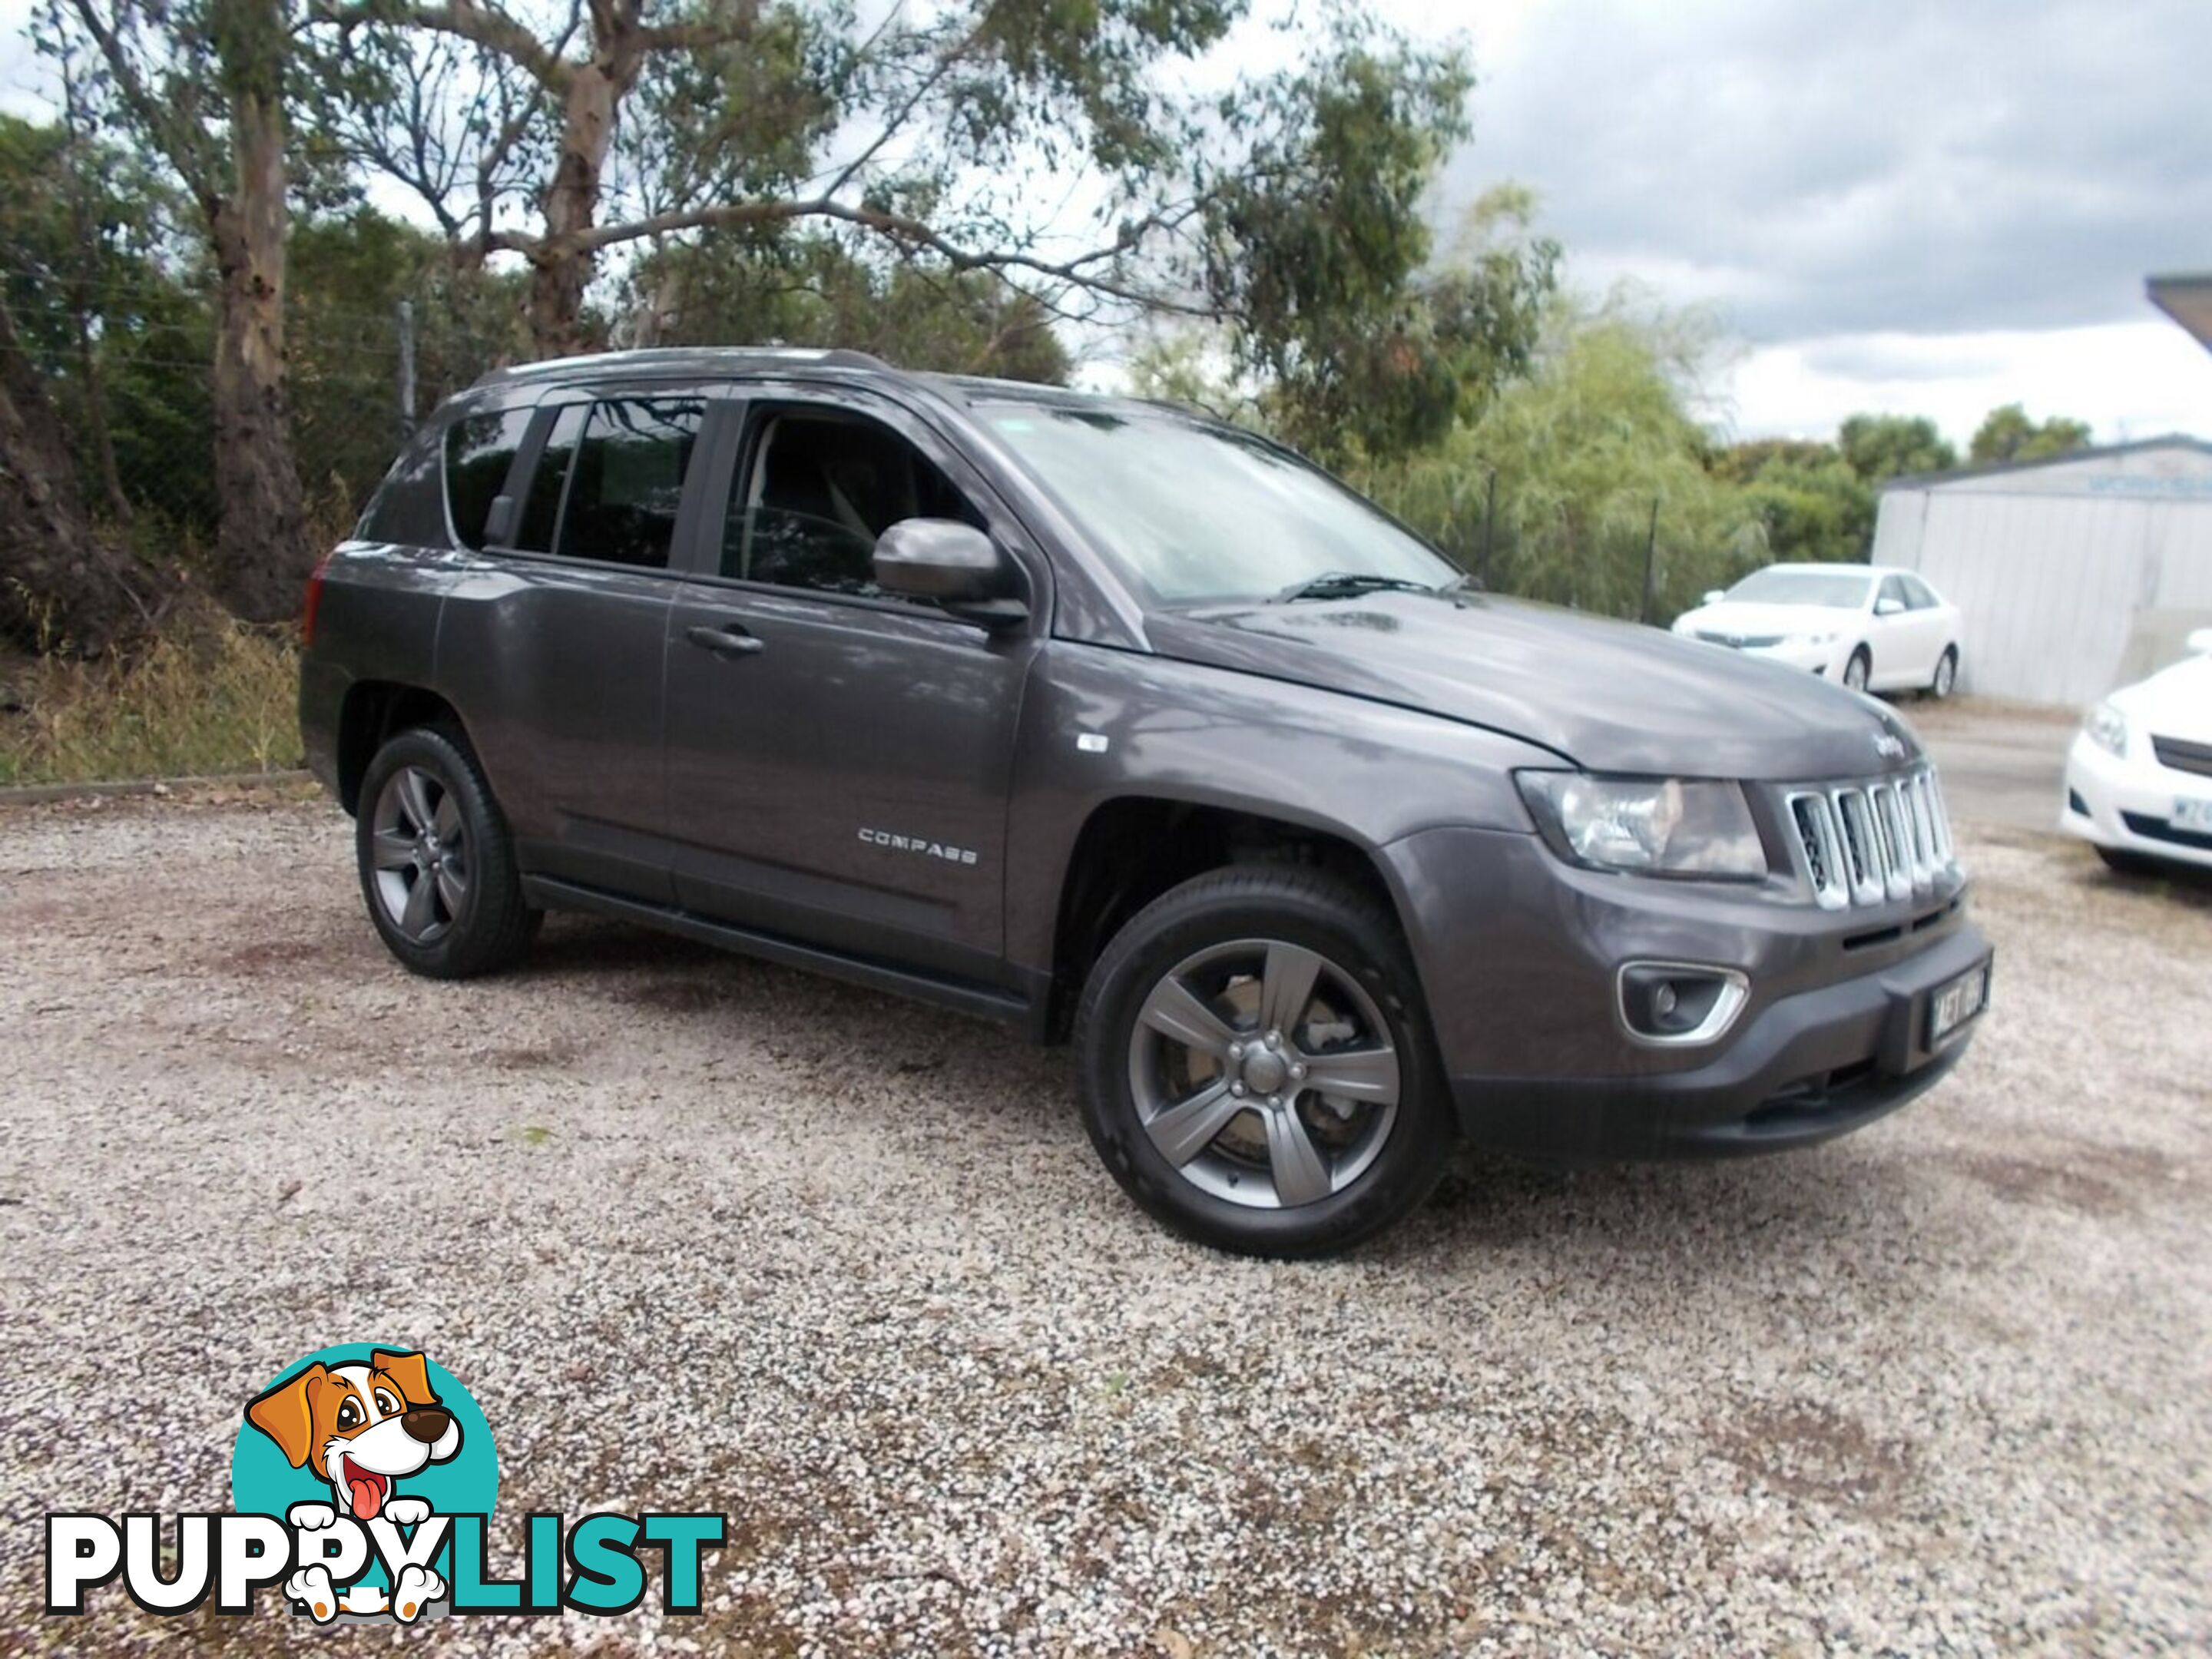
<point x="361" y="1488"/>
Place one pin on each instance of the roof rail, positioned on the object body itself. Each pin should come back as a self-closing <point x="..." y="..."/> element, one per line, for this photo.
<point x="681" y="358"/>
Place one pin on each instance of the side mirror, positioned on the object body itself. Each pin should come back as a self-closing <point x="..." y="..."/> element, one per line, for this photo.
<point x="955" y="564"/>
<point x="2199" y="644"/>
<point x="1888" y="607"/>
<point x="1713" y="596"/>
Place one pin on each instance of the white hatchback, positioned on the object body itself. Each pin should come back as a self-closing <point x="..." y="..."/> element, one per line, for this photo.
<point x="1870" y="627"/>
<point x="2139" y="776"/>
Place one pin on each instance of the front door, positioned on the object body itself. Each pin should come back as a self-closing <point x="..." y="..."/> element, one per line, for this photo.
<point x="838" y="759"/>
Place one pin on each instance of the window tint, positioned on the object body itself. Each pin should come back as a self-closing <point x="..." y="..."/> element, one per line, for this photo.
<point x="628" y="480"/>
<point x="1892" y="593"/>
<point x="409" y="505"/>
<point x="820" y="489"/>
<point x="541" y="509"/>
<point x="479" y="449"/>
<point x="1918" y="594"/>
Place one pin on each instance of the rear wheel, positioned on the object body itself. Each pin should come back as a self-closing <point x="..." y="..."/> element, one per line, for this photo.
<point x="1857" y="670"/>
<point x="437" y="866"/>
<point x="1258" y="1070"/>
<point x="1947" y="674"/>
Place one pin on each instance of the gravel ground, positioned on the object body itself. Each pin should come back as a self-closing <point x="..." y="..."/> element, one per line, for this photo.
<point x="702" y="1234"/>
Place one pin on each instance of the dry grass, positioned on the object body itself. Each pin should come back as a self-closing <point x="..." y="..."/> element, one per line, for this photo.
<point x="227" y="702"/>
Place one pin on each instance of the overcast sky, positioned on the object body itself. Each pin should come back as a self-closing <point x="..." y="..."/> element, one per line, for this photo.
<point x="1894" y="204"/>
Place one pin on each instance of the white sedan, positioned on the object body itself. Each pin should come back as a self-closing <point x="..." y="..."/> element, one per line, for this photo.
<point x="1870" y="627"/>
<point x="2139" y="776"/>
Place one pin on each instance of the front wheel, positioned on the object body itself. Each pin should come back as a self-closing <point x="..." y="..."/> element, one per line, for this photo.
<point x="1258" y="1070"/>
<point x="437" y="867"/>
<point x="1858" y="669"/>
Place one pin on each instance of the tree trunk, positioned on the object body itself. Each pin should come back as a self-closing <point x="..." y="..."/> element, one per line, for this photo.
<point x="559" y="268"/>
<point x="62" y="587"/>
<point x="263" y="554"/>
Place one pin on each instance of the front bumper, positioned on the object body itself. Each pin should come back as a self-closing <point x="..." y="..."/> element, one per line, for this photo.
<point x="1810" y="1067"/>
<point x="1518" y="953"/>
<point x="2127" y="804"/>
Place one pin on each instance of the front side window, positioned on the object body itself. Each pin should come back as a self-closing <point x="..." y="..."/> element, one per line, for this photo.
<point x="819" y="489"/>
<point x="479" y="450"/>
<point x="1892" y="593"/>
<point x="1918" y="594"/>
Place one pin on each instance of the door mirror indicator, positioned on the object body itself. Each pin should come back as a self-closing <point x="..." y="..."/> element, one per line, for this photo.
<point x="954" y="564"/>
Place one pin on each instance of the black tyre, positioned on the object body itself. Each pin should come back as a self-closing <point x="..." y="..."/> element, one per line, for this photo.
<point x="1258" y="1067"/>
<point x="2124" y="863"/>
<point x="1858" y="670"/>
<point x="1947" y="674"/>
<point x="437" y="866"/>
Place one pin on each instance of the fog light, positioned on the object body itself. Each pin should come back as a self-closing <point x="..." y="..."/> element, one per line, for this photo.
<point x="1680" y="1002"/>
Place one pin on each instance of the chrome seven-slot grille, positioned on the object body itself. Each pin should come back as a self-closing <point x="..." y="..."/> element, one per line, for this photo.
<point x="1875" y="841"/>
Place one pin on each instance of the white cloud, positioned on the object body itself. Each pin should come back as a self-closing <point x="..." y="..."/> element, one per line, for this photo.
<point x="2127" y="380"/>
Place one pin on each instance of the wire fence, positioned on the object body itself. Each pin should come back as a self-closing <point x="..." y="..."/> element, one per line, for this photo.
<point x="129" y="366"/>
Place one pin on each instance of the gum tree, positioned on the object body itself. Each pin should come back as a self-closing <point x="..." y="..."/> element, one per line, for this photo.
<point x="1093" y="155"/>
<point x="202" y="84"/>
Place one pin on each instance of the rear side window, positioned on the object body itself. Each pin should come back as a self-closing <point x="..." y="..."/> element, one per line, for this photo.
<point x="625" y="462"/>
<point x="541" y="509"/>
<point x="479" y="450"/>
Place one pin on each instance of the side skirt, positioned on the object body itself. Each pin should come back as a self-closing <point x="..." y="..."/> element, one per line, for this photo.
<point x="980" y="1001"/>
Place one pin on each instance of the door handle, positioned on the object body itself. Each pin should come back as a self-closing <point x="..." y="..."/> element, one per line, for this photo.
<point x="731" y="642"/>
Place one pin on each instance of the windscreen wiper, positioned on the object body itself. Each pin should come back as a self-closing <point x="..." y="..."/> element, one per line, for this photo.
<point x="1345" y="585"/>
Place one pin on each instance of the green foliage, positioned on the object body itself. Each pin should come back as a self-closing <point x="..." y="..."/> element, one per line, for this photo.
<point x="1583" y="449"/>
<point x="348" y="274"/>
<point x="1810" y="503"/>
<point x="1318" y="256"/>
<point x="1882" y="446"/>
<point x="2007" y="435"/>
<point x="737" y="287"/>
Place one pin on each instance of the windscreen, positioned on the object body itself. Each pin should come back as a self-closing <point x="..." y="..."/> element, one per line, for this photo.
<point x="1844" y="590"/>
<point x="1195" y="512"/>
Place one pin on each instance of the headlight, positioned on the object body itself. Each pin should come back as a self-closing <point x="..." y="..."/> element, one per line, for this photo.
<point x="2108" y="729"/>
<point x="1666" y="826"/>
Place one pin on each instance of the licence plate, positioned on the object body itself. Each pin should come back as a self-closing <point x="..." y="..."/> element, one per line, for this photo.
<point x="2191" y="813"/>
<point x="1953" y="1004"/>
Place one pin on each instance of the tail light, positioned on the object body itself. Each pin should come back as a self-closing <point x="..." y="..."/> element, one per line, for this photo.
<point x="315" y="602"/>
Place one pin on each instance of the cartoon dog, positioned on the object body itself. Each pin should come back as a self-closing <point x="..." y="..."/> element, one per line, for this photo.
<point x="361" y="1428"/>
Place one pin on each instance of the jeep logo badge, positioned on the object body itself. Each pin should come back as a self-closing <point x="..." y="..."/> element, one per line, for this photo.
<point x="1889" y="745"/>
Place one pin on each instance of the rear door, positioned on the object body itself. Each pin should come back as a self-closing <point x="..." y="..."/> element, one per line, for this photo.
<point x="554" y="647"/>
<point x="839" y="758"/>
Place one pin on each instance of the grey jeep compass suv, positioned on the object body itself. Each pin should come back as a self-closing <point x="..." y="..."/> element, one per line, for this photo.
<point x="1097" y="718"/>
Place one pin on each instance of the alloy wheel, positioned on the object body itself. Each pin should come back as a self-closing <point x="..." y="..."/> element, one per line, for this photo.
<point x="420" y="843"/>
<point x="1264" y="1073"/>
